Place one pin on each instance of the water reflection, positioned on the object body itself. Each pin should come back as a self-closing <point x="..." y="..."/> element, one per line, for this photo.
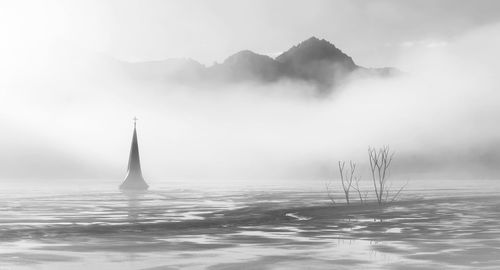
<point x="134" y="204"/>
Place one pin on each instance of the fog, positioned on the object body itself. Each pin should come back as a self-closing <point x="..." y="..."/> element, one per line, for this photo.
<point x="66" y="115"/>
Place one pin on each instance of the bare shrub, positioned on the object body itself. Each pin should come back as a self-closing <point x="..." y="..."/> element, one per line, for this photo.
<point x="380" y="162"/>
<point x="361" y="195"/>
<point x="347" y="178"/>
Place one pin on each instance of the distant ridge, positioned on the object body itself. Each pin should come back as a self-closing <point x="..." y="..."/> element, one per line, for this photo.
<point x="316" y="61"/>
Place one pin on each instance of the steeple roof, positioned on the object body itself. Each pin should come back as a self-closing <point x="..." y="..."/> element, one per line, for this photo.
<point x="134" y="179"/>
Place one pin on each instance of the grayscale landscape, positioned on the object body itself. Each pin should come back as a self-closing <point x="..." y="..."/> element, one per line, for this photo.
<point x="324" y="134"/>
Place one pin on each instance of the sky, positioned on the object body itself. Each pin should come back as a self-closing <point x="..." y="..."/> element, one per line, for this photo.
<point x="65" y="115"/>
<point x="372" y="32"/>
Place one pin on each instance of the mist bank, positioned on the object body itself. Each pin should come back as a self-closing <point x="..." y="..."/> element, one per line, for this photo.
<point x="440" y="119"/>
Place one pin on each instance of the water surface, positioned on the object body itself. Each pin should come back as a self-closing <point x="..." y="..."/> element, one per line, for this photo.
<point x="249" y="228"/>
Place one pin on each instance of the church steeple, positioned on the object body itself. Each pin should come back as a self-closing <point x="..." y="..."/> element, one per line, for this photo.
<point x="134" y="179"/>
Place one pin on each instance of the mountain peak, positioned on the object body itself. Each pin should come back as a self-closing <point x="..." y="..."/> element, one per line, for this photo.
<point x="315" y="49"/>
<point x="317" y="60"/>
<point x="245" y="56"/>
<point x="315" y="40"/>
<point x="247" y="65"/>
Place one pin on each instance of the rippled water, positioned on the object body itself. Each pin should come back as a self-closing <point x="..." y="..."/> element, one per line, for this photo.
<point x="268" y="228"/>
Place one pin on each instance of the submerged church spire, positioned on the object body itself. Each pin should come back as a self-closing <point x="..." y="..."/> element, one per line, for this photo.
<point x="134" y="179"/>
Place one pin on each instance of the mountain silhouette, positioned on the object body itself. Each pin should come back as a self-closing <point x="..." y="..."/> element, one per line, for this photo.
<point x="316" y="61"/>
<point x="247" y="65"/>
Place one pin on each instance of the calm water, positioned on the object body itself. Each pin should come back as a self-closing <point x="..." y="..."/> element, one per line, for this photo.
<point x="249" y="228"/>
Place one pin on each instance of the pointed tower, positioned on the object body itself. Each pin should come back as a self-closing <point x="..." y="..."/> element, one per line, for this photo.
<point x="134" y="179"/>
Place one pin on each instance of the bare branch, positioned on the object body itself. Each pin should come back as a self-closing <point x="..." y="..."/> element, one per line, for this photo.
<point x="358" y="190"/>
<point x="397" y="193"/>
<point x="329" y="193"/>
<point x="380" y="162"/>
<point x="347" y="178"/>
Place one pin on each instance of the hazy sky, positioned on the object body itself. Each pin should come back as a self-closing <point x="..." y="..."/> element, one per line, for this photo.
<point x="370" y="31"/>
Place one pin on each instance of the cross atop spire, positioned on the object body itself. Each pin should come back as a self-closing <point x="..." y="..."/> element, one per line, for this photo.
<point x="135" y="120"/>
